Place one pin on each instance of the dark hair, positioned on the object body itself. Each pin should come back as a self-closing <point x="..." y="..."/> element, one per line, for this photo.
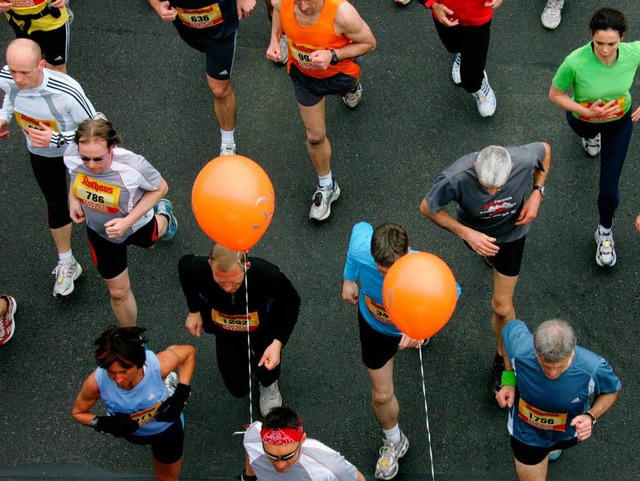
<point x="608" y="19"/>
<point x="97" y="129"/>
<point x="281" y="417"/>
<point x="388" y="243"/>
<point x="124" y="345"/>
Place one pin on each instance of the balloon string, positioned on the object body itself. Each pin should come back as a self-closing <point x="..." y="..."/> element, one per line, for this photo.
<point x="426" y="411"/>
<point x="246" y="296"/>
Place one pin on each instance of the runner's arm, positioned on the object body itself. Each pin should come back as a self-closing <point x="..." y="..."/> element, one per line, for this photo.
<point x="87" y="398"/>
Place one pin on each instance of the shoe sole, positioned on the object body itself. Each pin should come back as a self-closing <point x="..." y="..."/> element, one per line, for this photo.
<point x="76" y="274"/>
<point x="326" y="216"/>
<point x="400" y="456"/>
<point x="13" y="313"/>
<point x="166" y="238"/>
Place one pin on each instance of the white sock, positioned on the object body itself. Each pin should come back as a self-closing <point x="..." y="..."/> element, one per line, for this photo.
<point x="325" y="180"/>
<point x="66" y="257"/>
<point x="393" y="434"/>
<point x="227" y="136"/>
<point x="604" y="231"/>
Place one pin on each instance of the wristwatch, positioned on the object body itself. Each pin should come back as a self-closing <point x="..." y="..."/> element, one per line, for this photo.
<point x="334" y="57"/>
<point x="593" y="419"/>
<point x="541" y="188"/>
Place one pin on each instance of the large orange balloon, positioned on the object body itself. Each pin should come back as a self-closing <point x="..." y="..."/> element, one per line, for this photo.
<point x="233" y="201"/>
<point x="419" y="293"/>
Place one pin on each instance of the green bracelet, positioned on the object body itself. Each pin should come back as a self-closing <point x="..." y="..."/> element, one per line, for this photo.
<point x="509" y="378"/>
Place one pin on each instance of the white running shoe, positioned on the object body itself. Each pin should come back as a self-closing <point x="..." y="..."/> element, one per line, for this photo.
<point x="455" y="70"/>
<point x="284" y="50"/>
<point x="322" y="200"/>
<point x="171" y="382"/>
<point x="485" y="98"/>
<point x="352" y="99"/>
<point x="402" y="3"/>
<point x="390" y="454"/>
<point x="606" y="252"/>
<point x="592" y="146"/>
<point x="270" y="398"/>
<point x="7" y="324"/>
<point x="227" y="149"/>
<point x="552" y="14"/>
<point x="65" y="275"/>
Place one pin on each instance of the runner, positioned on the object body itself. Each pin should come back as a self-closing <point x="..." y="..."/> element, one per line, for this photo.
<point x="47" y="106"/>
<point x="325" y="37"/>
<point x="210" y="27"/>
<point x="548" y="385"/>
<point x="600" y="75"/>
<point x="371" y="254"/>
<point x="117" y="192"/>
<point x="46" y="22"/>
<point x="216" y="297"/>
<point x="140" y="406"/>
<point x="493" y="218"/>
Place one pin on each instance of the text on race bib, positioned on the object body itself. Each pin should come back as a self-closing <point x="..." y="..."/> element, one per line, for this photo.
<point x="618" y="114"/>
<point x="377" y="310"/>
<point x="146" y="415"/>
<point x="301" y="54"/>
<point x="541" y="419"/>
<point x="26" y="3"/>
<point x="204" y="17"/>
<point x="26" y="122"/>
<point x="235" y="322"/>
<point x="96" y="195"/>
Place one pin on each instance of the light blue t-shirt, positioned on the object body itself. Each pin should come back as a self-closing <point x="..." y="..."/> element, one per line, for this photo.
<point x="143" y="400"/>
<point x="544" y="408"/>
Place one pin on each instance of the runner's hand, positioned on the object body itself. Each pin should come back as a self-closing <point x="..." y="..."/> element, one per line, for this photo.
<point x="407" y="342"/>
<point x="600" y="109"/>
<point x="482" y="244"/>
<point x="193" y="323"/>
<point x="4" y="131"/>
<point x="506" y="396"/>
<point x="40" y="138"/>
<point x="58" y="3"/>
<point x="443" y="14"/>
<point x="116" y="228"/>
<point x="321" y="59"/>
<point x="271" y="356"/>
<point x="166" y="12"/>
<point x="75" y="210"/>
<point x="583" y="425"/>
<point x="118" y="424"/>
<point x="350" y="292"/>
<point x="638" y="223"/>
<point x="274" y="51"/>
<point x="4" y="6"/>
<point x="493" y="4"/>
<point x="244" y="8"/>
<point x="173" y="406"/>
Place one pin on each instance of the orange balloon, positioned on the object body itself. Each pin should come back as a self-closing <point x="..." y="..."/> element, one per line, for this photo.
<point x="233" y="201"/>
<point x="420" y="294"/>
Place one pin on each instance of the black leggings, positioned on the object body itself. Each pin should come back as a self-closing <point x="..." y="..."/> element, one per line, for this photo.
<point x="51" y="175"/>
<point x="231" y="352"/>
<point x="472" y="43"/>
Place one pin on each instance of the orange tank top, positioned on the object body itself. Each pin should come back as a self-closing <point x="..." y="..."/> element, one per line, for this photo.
<point x="304" y="40"/>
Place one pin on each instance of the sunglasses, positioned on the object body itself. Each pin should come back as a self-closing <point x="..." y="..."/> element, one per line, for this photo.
<point x="284" y="457"/>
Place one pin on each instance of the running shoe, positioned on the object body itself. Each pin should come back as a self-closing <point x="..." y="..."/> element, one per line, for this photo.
<point x="390" y="454"/>
<point x="402" y="3"/>
<point x="552" y="14"/>
<point x="227" y="149"/>
<point x="7" y="324"/>
<point x="554" y="455"/>
<point x="322" y="200"/>
<point x="284" y="50"/>
<point x="165" y="208"/>
<point x="352" y="99"/>
<point x="485" y="98"/>
<point x="65" y="275"/>
<point x="171" y="382"/>
<point x="455" y="70"/>
<point x="270" y="398"/>
<point x="606" y="252"/>
<point x="592" y="146"/>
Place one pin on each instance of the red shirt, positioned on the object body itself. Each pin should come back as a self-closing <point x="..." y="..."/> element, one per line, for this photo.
<point x="467" y="12"/>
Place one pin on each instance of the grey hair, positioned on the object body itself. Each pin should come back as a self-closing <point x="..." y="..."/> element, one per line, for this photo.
<point x="493" y="166"/>
<point x="554" y="340"/>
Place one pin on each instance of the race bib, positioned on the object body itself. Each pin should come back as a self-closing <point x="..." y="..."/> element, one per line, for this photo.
<point x="235" y="323"/>
<point x="204" y="17"/>
<point x="147" y="415"/>
<point x="96" y="195"/>
<point x="302" y="54"/>
<point x="541" y="419"/>
<point x="26" y="3"/>
<point x="377" y="310"/>
<point x="617" y="115"/>
<point x="26" y="122"/>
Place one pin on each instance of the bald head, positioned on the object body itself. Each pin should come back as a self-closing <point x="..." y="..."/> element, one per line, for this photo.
<point x="24" y="58"/>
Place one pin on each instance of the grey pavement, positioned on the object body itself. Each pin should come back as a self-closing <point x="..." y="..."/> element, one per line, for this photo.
<point x="411" y="124"/>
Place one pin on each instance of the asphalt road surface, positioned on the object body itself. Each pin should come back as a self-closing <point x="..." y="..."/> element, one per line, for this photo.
<point x="411" y="124"/>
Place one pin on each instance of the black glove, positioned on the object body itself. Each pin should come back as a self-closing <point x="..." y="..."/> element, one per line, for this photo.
<point x="118" y="424"/>
<point x="171" y="409"/>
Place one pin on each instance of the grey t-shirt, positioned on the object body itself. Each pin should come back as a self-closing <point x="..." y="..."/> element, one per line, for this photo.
<point x="113" y="193"/>
<point x="493" y="215"/>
